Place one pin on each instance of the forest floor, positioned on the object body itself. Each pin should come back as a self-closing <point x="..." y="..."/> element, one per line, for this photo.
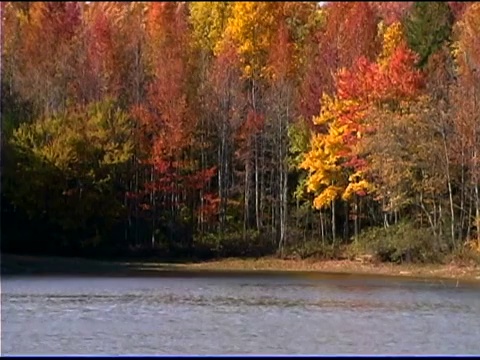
<point x="35" y="265"/>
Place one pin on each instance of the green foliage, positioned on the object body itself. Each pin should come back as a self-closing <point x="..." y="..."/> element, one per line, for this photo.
<point x="312" y="249"/>
<point x="403" y="242"/>
<point x="82" y="144"/>
<point x="127" y="122"/>
<point x="233" y="243"/>
<point x="208" y="22"/>
<point x="428" y="26"/>
<point x="14" y="111"/>
<point x="67" y="164"/>
<point x="299" y="140"/>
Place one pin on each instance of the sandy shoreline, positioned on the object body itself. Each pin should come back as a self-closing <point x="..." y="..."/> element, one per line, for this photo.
<point x="33" y="265"/>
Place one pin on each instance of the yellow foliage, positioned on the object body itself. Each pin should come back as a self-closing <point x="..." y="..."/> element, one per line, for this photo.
<point x="356" y="185"/>
<point x="465" y="49"/>
<point x="332" y="109"/>
<point x="473" y="245"/>
<point x="327" y="196"/>
<point x="327" y="177"/>
<point x="209" y="20"/>
<point x="392" y="37"/>
<point x="251" y="28"/>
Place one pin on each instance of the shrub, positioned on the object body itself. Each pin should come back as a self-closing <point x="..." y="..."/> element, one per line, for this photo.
<point x="313" y="249"/>
<point x="402" y="242"/>
<point x="468" y="254"/>
<point x="233" y="243"/>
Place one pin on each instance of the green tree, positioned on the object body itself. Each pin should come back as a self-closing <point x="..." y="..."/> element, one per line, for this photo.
<point x="69" y="165"/>
<point x="428" y="26"/>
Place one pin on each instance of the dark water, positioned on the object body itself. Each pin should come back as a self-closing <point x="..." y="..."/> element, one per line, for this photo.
<point x="301" y="314"/>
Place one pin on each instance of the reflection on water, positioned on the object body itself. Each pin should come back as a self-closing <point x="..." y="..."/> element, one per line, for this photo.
<point x="237" y="315"/>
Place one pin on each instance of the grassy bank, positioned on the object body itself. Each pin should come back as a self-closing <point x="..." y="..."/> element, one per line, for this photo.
<point x="21" y="264"/>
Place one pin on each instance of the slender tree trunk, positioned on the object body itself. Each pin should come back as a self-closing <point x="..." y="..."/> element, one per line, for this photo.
<point x="385" y="215"/>
<point x="429" y="217"/>
<point x="476" y="169"/>
<point x="346" y="229"/>
<point x="221" y="174"/>
<point x="356" y="220"/>
<point x="137" y="170"/>
<point x="462" y="195"/>
<point x="273" y="226"/>
<point x="257" y="195"/>
<point x="125" y="203"/>
<point x="322" y="230"/>
<point x="283" y="198"/>
<point x="152" y="202"/>
<point x="450" y="193"/>
<point x="470" y="208"/>
<point x="440" y="216"/>
<point x="246" y="213"/>
<point x="333" y="222"/>
<point x="476" y="193"/>
<point x="477" y="210"/>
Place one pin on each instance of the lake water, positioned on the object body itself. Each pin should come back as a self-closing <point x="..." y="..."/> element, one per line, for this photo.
<point x="237" y="314"/>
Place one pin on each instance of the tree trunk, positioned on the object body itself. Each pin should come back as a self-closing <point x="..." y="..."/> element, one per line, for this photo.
<point x="322" y="229"/>
<point x="462" y="195"/>
<point x="152" y="202"/>
<point x="346" y="228"/>
<point x="246" y="212"/>
<point x="429" y="217"/>
<point x="333" y="222"/>
<point x="469" y="217"/>
<point x="450" y="193"/>
<point x="257" y="195"/>
<point x="356" y="220"/>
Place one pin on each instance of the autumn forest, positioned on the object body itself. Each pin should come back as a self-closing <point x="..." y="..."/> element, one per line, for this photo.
<point x="223" y="129"/>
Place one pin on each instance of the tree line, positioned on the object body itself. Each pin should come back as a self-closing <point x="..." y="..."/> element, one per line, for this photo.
<point x="241" y="128"/>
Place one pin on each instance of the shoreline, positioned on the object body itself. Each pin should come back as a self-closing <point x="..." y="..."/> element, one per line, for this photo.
<point x="42" y="265"/>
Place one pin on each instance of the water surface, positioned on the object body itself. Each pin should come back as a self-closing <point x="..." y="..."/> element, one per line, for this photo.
<point x="237" y="314"/>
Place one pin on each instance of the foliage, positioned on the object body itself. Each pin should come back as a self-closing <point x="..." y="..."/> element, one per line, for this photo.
<point x="402" y="242"/>
<point x="428" y="26"/>
<point x="212" y="128"/>
<point x="68" y="163"/>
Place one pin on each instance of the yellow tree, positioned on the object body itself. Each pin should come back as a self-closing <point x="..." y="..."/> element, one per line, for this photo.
<point x="250" y="29"/>
<point x="332" y="174"/>
<point x="335" y="162"/>
<point x="208" y="22"/>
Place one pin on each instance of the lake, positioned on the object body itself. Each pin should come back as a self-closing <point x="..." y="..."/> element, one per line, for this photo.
<point x="235" y="313"/>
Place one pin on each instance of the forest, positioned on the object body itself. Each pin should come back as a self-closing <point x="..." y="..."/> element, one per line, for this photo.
<point x="235" y="129"/>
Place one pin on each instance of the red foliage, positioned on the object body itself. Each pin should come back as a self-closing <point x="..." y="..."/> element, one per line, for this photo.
<point x="350" y="33"/>
<point x="391" y="11"/>
<point x="209" y="211"/>
<point x="200" y="179"/>
<point x="458" y="8"/>
<point x="404" y="79"/>
<point x="368" y="82"/>
<point x="101" y="56"/>
<point x="254" y="124"/>
<point x="164" y="118"/>
<point x="281" y="54"/>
